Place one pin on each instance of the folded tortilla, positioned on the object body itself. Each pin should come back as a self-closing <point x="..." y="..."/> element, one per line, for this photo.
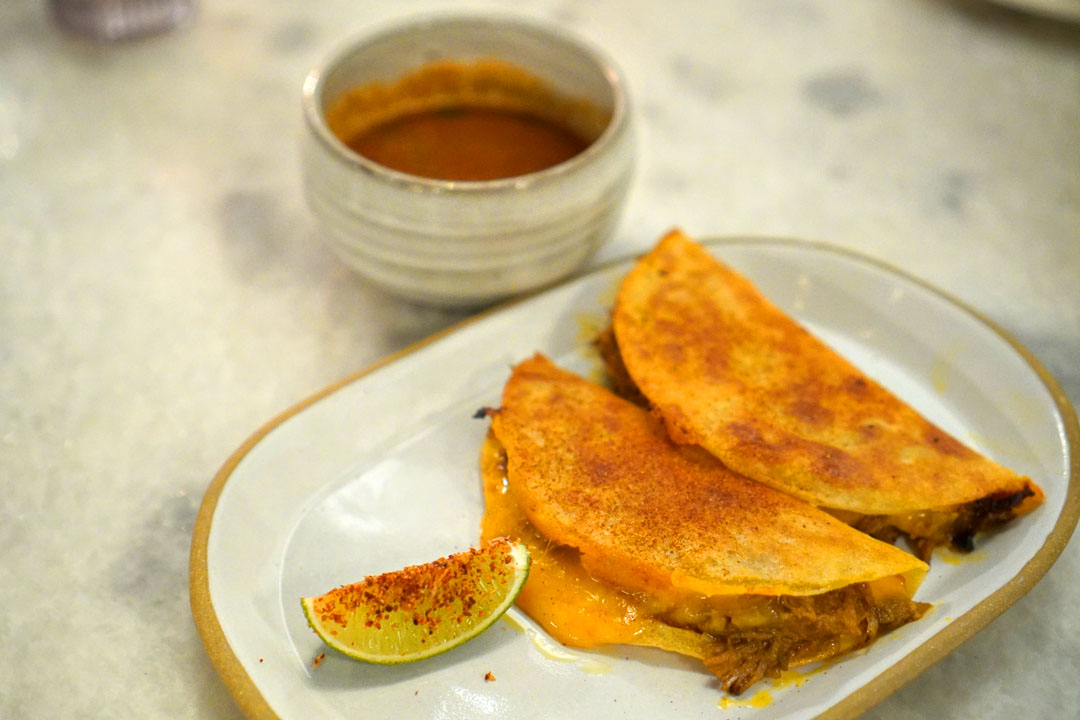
<point x="637" y="540"/>
<point x="725" y="369"/>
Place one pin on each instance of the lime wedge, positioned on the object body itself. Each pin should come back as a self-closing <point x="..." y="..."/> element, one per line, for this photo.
<point x="423" y="610"/>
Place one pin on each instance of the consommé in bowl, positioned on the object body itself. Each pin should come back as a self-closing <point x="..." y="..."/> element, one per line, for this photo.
<point x="460" y="160"/>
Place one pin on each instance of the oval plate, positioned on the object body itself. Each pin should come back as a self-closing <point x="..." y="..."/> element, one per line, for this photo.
<point x="380" y="471"/>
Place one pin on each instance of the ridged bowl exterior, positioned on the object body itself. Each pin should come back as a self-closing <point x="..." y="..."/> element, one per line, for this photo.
<point x="467" y="243"/>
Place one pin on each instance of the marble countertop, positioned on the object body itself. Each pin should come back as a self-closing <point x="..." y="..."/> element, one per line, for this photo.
<point x="164" y="290"/>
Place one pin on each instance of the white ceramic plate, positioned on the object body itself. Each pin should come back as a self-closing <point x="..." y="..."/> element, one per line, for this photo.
<point x="380" y="471"/>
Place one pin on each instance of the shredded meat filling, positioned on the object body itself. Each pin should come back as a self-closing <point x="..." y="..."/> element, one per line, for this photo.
<point x="797" y="630"/>
<point x="956" y="527"/>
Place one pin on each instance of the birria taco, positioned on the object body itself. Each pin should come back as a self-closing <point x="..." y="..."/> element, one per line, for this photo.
<point x="727" y="370"/>
<point x="638" y="540"/>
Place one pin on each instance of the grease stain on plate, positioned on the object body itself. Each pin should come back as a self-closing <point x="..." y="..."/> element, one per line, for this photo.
<point x="589" y="327"/>
<point x="954" y="558"/>
<point x="939" y="377"/>
<point x="760" y="699"/>
<point x="552" y="650"/>
<point x="796" y="678"/>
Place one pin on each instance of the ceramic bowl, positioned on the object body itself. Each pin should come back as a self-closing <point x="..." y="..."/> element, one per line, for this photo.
<point x="467" y="243"/>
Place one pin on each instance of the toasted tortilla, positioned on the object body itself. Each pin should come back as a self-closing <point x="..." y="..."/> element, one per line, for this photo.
<point x="636" y="540"/>
<point x="725" y="369"/>
<point x="595" y="472"/>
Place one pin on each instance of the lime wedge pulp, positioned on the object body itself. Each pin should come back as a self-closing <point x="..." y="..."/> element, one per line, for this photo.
<point x="423" y="610"/>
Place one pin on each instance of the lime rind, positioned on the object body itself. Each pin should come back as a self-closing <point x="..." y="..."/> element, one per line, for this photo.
<point x="421" y="611"/>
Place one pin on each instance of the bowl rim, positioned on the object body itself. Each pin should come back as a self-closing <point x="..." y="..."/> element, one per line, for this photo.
<point x="315" y="120"/>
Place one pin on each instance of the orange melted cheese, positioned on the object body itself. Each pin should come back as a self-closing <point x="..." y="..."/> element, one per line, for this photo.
<point x="568" y="603"/>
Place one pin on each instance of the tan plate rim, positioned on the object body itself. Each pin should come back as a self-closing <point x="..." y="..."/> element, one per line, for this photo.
<point x="254" y="705"/>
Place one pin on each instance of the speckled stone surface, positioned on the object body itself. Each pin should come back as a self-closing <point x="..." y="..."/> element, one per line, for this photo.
<point x="164" y="290"/>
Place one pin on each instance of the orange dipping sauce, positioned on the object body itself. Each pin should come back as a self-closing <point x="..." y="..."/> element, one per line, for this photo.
<point x="454" y="121"/>
<point x="468" y="144"/>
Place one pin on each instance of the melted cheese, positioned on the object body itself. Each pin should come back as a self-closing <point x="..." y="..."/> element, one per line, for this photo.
<point x="572" y="606"/>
